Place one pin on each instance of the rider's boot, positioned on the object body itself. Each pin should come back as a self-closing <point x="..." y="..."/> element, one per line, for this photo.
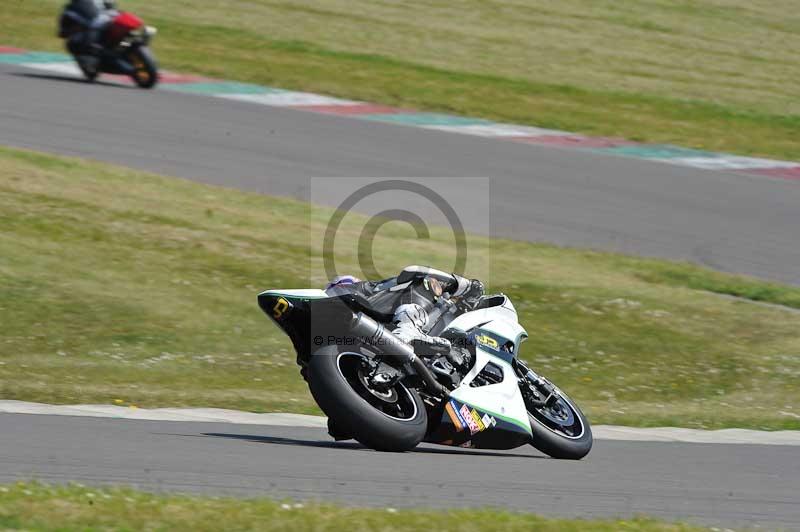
<point x="90" y="63"/>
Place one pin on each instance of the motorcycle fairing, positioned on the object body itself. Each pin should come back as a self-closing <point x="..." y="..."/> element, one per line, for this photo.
<point x="502" y="401"/>
<point x="291" y="311"/>
<point x="497" y="337"/>
<point x="503" y="318"/>
<point x="123" y="24"/>
<point x="300" y="293"/>
<point x="311" y="315"/>
<point x="464" y="425"/>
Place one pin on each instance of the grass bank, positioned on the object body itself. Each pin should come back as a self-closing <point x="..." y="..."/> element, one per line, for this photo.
<point x="41" y="507"/>
<point x="118" y="285"/>
<point x="711" y="75"/>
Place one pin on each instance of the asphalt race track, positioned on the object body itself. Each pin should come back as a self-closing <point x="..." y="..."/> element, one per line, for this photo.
<point x="727" y="221"/>
<point x="728" y="485"/>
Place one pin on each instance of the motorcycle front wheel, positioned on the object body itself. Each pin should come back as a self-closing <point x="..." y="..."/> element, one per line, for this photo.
<point x="145" y="69"/>
<point x="560" y="430"/>
<point x="392" y="420"/>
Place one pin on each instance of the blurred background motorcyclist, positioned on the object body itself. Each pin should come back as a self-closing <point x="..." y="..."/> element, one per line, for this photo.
<point x="82" y="24"/>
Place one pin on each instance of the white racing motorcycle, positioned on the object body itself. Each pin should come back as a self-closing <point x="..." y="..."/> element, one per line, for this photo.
<point x="378" y="390"/>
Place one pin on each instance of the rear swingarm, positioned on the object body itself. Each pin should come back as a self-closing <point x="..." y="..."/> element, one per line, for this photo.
<point x="395" y="349"/>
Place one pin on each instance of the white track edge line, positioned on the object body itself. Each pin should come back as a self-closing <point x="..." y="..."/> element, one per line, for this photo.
<point x="291" y="99"/>
<point x="218" y="415"/>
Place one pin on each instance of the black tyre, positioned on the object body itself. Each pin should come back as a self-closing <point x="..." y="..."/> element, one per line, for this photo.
<point x="395" y="420"/>
<point x="145" y="69"/>
<point x="89" y="73"/>
<point x="561" y="430"/>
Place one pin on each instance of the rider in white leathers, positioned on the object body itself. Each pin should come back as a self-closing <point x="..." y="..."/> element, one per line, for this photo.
<point x="410" y="297"/>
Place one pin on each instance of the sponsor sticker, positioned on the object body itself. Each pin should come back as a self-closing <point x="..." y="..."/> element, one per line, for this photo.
<point x="470" y="421"/>
<point x="477" y="418"/>
<point x="465" y="417"/>
<point x="455" y="416"/>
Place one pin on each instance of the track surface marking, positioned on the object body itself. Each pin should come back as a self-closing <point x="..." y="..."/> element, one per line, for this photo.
<point x="724" y="220"/>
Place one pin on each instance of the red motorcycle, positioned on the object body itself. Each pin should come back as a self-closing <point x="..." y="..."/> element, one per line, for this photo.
<point x="122" y="48"/>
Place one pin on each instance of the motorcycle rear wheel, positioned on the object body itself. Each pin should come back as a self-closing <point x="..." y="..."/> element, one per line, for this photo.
<point x="394" y="421"/>
<point x="145" y="69"/>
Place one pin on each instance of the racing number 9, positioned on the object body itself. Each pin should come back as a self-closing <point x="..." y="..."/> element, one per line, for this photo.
<point x="281" y="306"/>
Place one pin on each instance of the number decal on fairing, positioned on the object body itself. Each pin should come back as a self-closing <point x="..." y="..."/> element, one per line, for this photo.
<point x="281" y="306"/>
<point x="488" y="341"/>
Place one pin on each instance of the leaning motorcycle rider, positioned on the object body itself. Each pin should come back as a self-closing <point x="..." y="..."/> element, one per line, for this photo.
<point x="82" y="24"/>
<point x="410" y="298"/>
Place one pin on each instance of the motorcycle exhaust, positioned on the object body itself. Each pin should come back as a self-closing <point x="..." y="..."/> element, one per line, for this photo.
<point x="376" y="334"/>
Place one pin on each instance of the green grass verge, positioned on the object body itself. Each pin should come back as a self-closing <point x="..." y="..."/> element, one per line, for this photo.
<point x="698" y="74"/>
<point x="118" y="285"/>
<point x="33" y="506"/>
